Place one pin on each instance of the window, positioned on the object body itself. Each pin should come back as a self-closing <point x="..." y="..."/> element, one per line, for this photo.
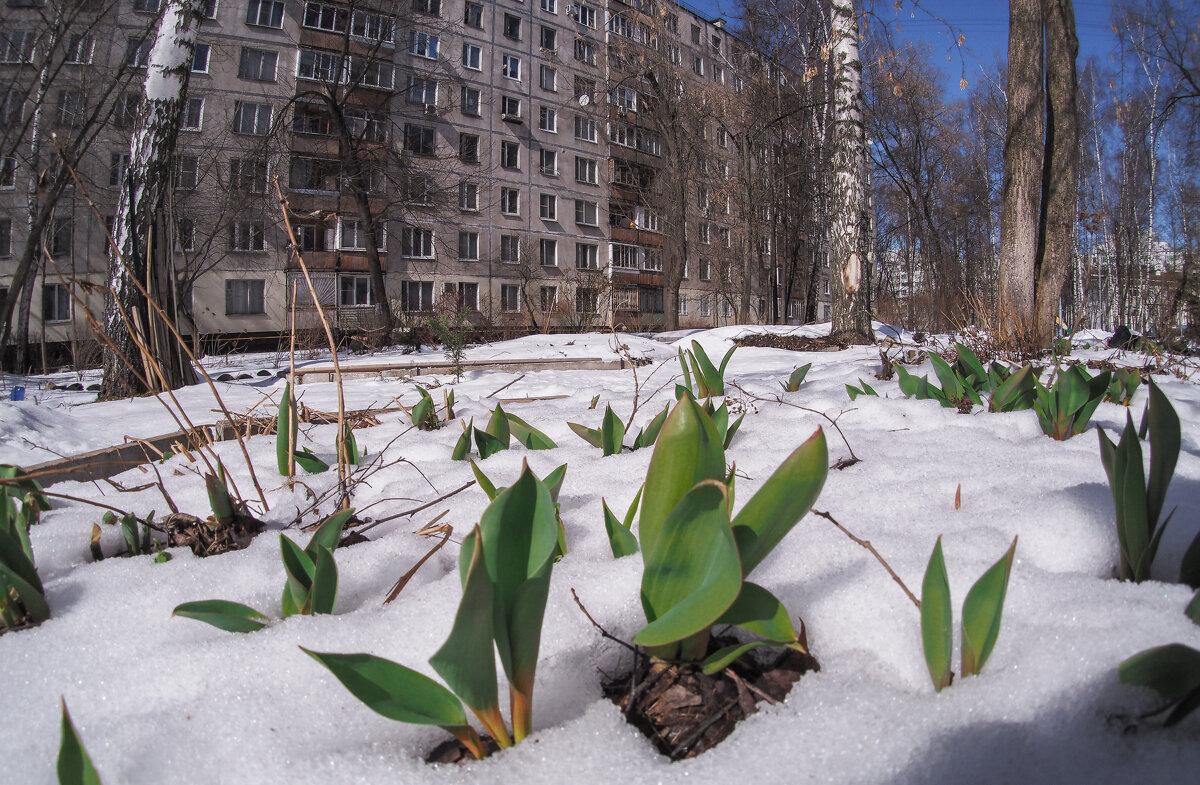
<point x="624" y="256"/>
<point x="723" y="236"/>
<point x="550" y="6"/>
<point x="625" y="98"/>
<point x="705" y="270"/>
<point x="470" y="101"/>
<point x="698" y="65"/>
<point x="424" y="91"/>
<point x="354" y="290"/>
<point x="416" y="295"/>
<point x="586" y="256"/>
<point x="825" y="286"/>
<point x="716" y="43"/>
<point x="681" y="305"/>
<point x="510" y="67"/>
<point x="192" y="115"/>
<point x="8" y="171"/>
<point x="510" y="155"/>
<point x="675" y="54"/>
<point x="145" y="6"/>
<point x="258" y="64"/>
<point x="187" y="172"/>
<point x="702" y="197"/>
<point x="548" y="207"/>
<point x="718" y="73"/>
<point x="304" y="174"/>
<point x="510" y="297"/>
<point x="70" y="106"/>
<point x="512" y="27"/>
<point x="510" y="201"/>
<point x="247" y="174"/>
<point x="125" y="113"/>
<point x="79" y="49"/>
<point x="200" y="58"/>
<point x="585" y="15"/>
<point x="373" y="27"/>
<point x="548" y="119"/>
<point x="423" y="44"/>
<point x="468" y="295"/>
<point x="696" y="34"/>
<point x="267" y="13"/>
<point x="546" y="78"/>
<point x="510" y="248"/>
<point x="367" y="125"/>
<point x="705" y="233"/>
<point x="468" y="246"/>
<point x="620" y="24"/>
<point x="705" y="306"/>
<point x="549" y="253"/>
<point x="431" y="7"/>
<point x="251" y="118"/>
<point x="61" y="232"/>
<point x="468" y="148"/>
<point x="247" y="236"/>
<point x="625" y="298"/>
<point x="548" y="38"/>
<point x="722" y="137"/>
<point x="311" y="119"/>
<point x="330" y="18"/>
<point x="585" y="170"/>
<point x="585" y="128"/>
<point x="416" y="243"/>
<point x="16" y="46"/>
<point x="548" y="298"/>
<point x="244" y="296"/>
<point x="137" y="52"/>
<point x="587" y="300"/>
<point x="311" y="237"/>
<point x="473" y="15"/>
<point x="585" y="51"/>
<point x="418" y="139"/>
<point x="726" y="309"/>
<point x="5" y="239"/>
<point x="585" y="213"/>
<point x="379" y="74"/>
<point x="549" y="163"/>
<point x="56" y="303"/>
<point x="472" y="56"/>
<point x="118" y="164"/>
<point x="510" y="107"/>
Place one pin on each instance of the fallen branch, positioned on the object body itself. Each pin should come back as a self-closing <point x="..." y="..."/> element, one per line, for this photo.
<point x="425" y="531"/>
<point x="867" y="544"/>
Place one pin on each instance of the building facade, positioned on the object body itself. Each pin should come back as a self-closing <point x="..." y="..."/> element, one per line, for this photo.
<point x="546" y="164"/>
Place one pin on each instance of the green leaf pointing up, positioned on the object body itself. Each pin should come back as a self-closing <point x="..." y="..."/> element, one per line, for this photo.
<point x="981" y="613"/>
<point x="74" y="765"/>
<point x="467" y="660"/>
<point x="223" y="614"/>
<point x="937" y="619"/>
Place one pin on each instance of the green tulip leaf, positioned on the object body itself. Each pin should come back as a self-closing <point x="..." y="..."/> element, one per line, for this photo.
<point x="310" y="462"/>
<point x="74" y="765"/>
<point x="981" y="613"/>
<point x="612" y="433"/>
<point x="692" y="573"/>
<point x="758" y="611"/>
<point x="223" y="614"/>
<point x="498" y="425"/>
<point x="620" y="538"/>
<point x="462" y="448"/>
<point x="782" y="501"/>
<point x="723" y="658"/>
<point x="1173" y="671"/>
<point x="648" y="435"/>
<point x="322" y="597"/>
<point x="467" y="660"/>
<point x="937" y="619"/>
<point x="589" y="435"/>
<point x="526" y="434"/>
<point x="285" y="431"/>
<point x="329" y="532"/>
<point x="396" y="692"/>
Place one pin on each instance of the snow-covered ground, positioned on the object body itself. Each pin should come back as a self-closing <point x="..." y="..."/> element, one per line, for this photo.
<point x="168" y="700"/>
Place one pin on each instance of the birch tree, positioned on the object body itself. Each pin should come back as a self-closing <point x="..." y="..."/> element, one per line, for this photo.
<point x="139" y="233"/>
<point x="850" y="220"/>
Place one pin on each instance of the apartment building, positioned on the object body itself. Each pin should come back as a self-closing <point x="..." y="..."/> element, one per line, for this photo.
<point x="516" y="157"/>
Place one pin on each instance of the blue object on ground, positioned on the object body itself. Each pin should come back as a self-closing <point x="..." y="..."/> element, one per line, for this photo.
<point x="18" y="393"/>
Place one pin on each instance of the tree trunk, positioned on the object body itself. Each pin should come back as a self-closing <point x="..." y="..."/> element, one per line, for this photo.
<point x="129" y="320"/>
<point x="1022" y="188"/>
<point x="849" y="222"/>
<point x="1061" y="177"/>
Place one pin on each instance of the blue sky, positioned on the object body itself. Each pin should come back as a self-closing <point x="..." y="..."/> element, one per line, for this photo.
<point x="983" y="22"/>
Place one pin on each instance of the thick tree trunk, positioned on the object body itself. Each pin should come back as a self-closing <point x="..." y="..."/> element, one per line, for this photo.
<point x="849" y="224"/>
<point x="1060" y="182"/>
<point x="1022" y="188"/>
<point x="129" y="321"/>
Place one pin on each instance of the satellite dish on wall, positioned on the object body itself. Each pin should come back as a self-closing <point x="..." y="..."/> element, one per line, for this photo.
<point x="584" y="100"/>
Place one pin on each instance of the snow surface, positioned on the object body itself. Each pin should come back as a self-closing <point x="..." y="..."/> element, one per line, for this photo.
<point x="167" y="700"/>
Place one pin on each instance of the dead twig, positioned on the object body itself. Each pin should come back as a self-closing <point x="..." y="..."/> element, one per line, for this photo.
<point x="867" y="544"/>
<point x="505" y="387"/>
<point x="603" y="632"/>
<point x="416" y="510"/>
<point x="427" y="530"/>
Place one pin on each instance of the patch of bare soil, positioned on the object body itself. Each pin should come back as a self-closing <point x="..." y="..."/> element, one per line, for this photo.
<point x="208" y="537"/>
<point x="685" y="712"/>
<point x="794" y="343"/>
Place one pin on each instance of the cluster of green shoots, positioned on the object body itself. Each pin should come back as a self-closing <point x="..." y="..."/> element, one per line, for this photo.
<point x="22" y="599"/>
<point x="288" y="453"/>
<point x="502" y="427"/>
<point x="610" y="436"/>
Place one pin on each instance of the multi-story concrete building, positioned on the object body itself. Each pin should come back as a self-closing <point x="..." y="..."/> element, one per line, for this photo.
<point x="523" y="158"/>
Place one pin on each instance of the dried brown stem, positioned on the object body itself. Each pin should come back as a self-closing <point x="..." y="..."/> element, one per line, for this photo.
<point x="428" y="529"/>
<point x="603" y="632"/>
<point x="416" y="510"/>
<point x="867" y="544"/>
